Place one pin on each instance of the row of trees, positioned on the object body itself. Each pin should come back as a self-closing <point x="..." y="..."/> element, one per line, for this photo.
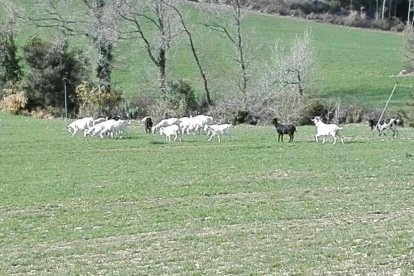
<point x="375" y="9"/>
<point x="154" y="26"/>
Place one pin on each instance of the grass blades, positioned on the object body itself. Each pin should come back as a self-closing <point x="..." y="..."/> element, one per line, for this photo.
<point x="247" y="205"/>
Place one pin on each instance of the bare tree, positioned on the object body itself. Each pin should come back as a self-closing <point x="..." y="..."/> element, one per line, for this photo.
<point x="383" y="9"/>
<point x="408" y="39"/>
<point x="194" y="52"/>
<point x="285" y="80"/>
<point x="231" y="28"/>
<point x="96" y="20"/>
<point x="144" y="16"/>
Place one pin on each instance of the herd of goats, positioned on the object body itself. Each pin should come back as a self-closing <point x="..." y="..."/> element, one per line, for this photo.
<point x="173" y="128"/>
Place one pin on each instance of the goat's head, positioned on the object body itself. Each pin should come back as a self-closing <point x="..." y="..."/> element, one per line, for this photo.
<point x="316" y="120"/>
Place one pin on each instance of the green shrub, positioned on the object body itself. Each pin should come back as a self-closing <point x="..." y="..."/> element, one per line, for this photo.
<point x="53" y="69"/>
<point x="245" y="117"/>
<point x="181" y="97"/>
<point x="97" y="102"/>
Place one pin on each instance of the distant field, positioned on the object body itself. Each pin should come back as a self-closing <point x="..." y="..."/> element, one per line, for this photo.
<point x="354" y="65"/>
<point x="249" y="205"/>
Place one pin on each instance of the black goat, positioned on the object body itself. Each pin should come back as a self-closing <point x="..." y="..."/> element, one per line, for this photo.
<point x="148" y="124"/>
<point x="284" y="129"/>
<point x="374" y="123"/>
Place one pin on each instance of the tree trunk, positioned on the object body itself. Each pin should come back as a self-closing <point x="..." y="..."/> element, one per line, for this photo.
<point x="162" y="61"/>
<point x="195" y="55"/>
<point x="103" y="68"/>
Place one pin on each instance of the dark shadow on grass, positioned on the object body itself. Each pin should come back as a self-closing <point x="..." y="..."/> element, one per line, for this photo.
<point x="259" y="147"/>
<point x="356" y="142"/>
<point x="188" y="141"/>
<point x="157" y="143"/>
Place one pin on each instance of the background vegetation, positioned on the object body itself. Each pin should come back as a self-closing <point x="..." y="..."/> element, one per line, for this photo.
<point x="353" y="67"/>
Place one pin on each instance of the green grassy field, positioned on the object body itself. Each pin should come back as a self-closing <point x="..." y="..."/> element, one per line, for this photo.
<point x="247" y="205"/>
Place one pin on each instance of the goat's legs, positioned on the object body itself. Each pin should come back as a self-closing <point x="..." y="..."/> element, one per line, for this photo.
<point x="395" y="133"/>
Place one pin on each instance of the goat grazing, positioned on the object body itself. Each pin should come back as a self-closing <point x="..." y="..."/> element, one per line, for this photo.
<point x="80" y="125"/>
<point x="165" y="123"/>
<point x="324" y="130"/>
<point x="117" y="129"/>
<point x="172" y="130"/>
<point x="99" y="128"/>
<point x="216" y="130"/>
<point x="284" y="129"/>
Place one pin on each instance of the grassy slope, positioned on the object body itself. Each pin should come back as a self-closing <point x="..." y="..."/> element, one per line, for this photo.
<point x="248" y="205"/>
<point x="353" y="64"/>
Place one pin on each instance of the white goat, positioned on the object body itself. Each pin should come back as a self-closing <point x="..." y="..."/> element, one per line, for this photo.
<point x="185" y="124"/>
<point x="118" y="128"/>
<point x="216" y="130"/>
<point x="168" y="131"/>
<point x="99" y="120"/>
<point x="165" y="123"/>
<point x="200" y="121"/>
<point x="98" y="128"/>
<point x="80" y="125"/>
<point x="194" y="124"/>
<point x="324" y="130"/>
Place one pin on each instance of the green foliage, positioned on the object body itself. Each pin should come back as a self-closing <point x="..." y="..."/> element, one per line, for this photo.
<point x="9" y="60"/>
<point x="245" y="117"/>
<point x="52" y="69"/>
<point x="181" y="97"/>
<point x="313" y="107"/>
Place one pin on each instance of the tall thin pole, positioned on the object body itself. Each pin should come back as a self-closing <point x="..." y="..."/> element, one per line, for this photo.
<point x="386" y="105"/>
<point x="66" y="101"/>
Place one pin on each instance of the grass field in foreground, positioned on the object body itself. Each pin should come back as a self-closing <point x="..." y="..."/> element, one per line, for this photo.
<point x="248" y="205"/>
